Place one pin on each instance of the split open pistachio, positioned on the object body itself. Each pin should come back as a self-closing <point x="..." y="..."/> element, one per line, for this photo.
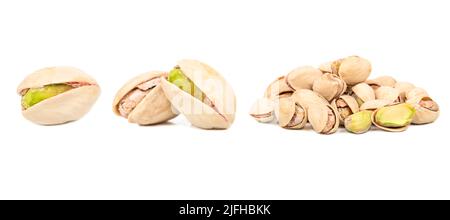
<point x="427" y="110"/>
<point x="201" y="94"/>
<point x="330" y="86"/>
<point x="363" y="93"/>
<point x="263" y="110"/>
<point x="290" y="115"/>
<point x="394" y="118"/>
<point x="376" y="83"/>
<point x="404" y="88"/>
<point x="359" y="123"/>
<point x="142" y="100"/>
<point x="57" y="95"/>
<point x="346" y="106"/>
<point x="323" y="118"/>
<point x="278" y="88"/>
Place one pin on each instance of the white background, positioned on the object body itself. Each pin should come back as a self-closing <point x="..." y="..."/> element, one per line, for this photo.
<point x="250" y="43"/>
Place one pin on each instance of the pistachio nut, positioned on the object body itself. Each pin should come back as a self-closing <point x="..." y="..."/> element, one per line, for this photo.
<point x="427" y="110"/>
<point x="278" y="88"/>
<point x="363" y="93"/>
<point x="416" y="93"/>
<point x="303" y="77"/>
<point x="374" y="104"/>
<point x="330" y="86"/>
<point x="359" y="123"/>
<point x="306" y="97"/>
<point x="201" y="94"/>
<point x="263" y="110"/>
<point x="346" y="105"/>
<point x="388" y="93"/>
<point x="290" y="115"/>
<point x="381" y="81"/>
<point x="142" y="101"/>
<point x="326" y="67"/>
<point x="57" y="95"/>
<point x="352" y="70"/>
<point x="324" y="119"/>
<point x="404" y="88"/>
<point x="395" y="117"/>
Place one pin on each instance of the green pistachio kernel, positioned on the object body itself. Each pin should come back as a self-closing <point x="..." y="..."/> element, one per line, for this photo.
<point x="35" y="95"/>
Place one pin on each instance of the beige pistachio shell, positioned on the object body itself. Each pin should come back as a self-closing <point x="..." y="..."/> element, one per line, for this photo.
<point x="303" y="77"/>
<point x="290" y="115"/>
<point x="323" y="118"/>
<point x="382" y="81"/>
<point x="263" y="110"/>
<point x="306" y="97"/>
<point x="54" y="75"/>
<point x="278" y="88"/>
<point x="363" y="93"/>
<point x="416" y="93"/>
<point x="350" y="106"/>
<point x="374" y="104"/>
<point x="388" y="93"/>
<point x="404" y="88"/>
<point x="218" y="115"/>
<point x="427" y="110"/>
<point x="154" y="108"/>
<point x="353" y="69"/>
<point x="330" y="86"/>
<point x="326" y="67"/>
<point x="392" y="110"/>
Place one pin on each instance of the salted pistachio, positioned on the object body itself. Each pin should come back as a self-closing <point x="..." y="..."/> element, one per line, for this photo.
<point x="330" y="86"/>
<point x="359" y="123"/>
<point x="352" y="70"/>
<point x="394" y="118"/>
<point x="388" y="93"/>
<point x="306" y="97"/>
<point x="201" y="94"/>
<point x="427" y="110"/>
<point x="324" y="119"/>
<point x="303" y="77"/>
<point x="381" y="81"/>
<point x="263" y="110"/>
<point x="363" y="93"/>
<point x="278" y="88"/>
<point x="404" y="88"/>
<point x="290" y="115"/>
<point x="416" y="93"/>
<point x="56" y="95"/>
<point x="346" y="105"/>
<point x="374" y="104"/>
<point x="142" y="101"/>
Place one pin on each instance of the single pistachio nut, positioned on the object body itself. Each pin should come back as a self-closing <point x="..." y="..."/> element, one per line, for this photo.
<point x="404" y="88"/>
<point x="57" y="95"/>
<point x="290" y="115"/>
<point x="352" y="70"/>
<point x="388" y="93"/>
<point x="374" y="104"/>
<point x="394" y="118"/>
<point x="416" y="93"/>
<point x="363" y="93"/>
<point x="303" y="77"/>
<point x="142" y="101"/>
<point x="201" y="94"/>
<point x="330" y="86"/>
<point x="278" y="88"/>
<point x="324" y="119"/>
<point x="381" y="81"/>
<point x="346" y="105"/>
<point x="427" y="110"/>
<point x="326" y="67"/>
<point x="359" y="123"/>
<point x="263" y="110"/>
<point x="306" y="97"/>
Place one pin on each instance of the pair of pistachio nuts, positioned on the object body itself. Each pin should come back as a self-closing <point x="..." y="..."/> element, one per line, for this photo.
<point x="57" y="95"/>
<point x="338" y="93"/>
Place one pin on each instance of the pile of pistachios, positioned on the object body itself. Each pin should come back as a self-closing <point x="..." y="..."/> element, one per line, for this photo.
<point x="339" y="94"/>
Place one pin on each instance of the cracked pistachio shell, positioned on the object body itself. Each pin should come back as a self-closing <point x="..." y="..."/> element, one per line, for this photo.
<point x="381" y="81"/>
<point x="290" y="115"/>
<point x="330" y="86"/>
<point x="374" y="104"/>
<point x="306" y="97"/>
<point x="303" y="77"/>
<point x="404" y="88"/>
<point x="278" y="88"/>
<point x="363" y="93"/>
<point x="359" y="123"/>
<point x="388" y="93"/>
<point x="346" y="105"/>
<point x="353" y="69"/>
<point x="427" y="110"/>
<point x="324" y="119"/>
<point x="416" y="93"/>
<point x="219" y="113"/>
<point x="154" y="108"/>
<point x="65" y="107"/>
<point x="263" y="110"/>
<point x="394" y="118"/>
